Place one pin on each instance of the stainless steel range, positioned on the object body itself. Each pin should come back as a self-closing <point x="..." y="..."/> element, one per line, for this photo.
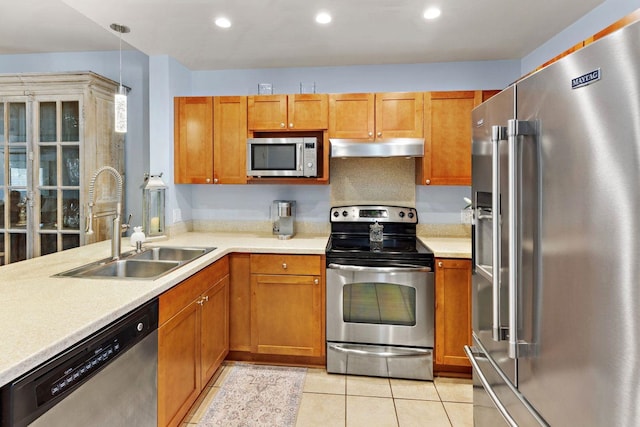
<point x="380" y="294"/>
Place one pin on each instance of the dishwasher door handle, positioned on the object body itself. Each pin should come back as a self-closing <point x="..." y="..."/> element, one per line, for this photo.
<point x="408" y="268"/>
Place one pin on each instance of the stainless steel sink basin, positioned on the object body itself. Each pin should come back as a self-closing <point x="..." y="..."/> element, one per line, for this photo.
<point x="170" y="253"/>
<point x="151" y="263"/>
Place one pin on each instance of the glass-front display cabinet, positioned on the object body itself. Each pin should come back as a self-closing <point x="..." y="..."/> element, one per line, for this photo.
<point x="55" y="131"/>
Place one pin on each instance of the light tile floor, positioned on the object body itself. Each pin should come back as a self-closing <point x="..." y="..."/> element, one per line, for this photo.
<point x="350" y="401"/>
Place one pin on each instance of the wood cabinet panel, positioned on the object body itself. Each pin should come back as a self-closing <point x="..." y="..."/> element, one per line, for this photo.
<point x="453" y="312"/>
<point x="193" y="140"/>
<point x="352" y="115"/>
<point x="179" y="377"/>
<point x="447" y="157"/>
<point x="399" y="115"/>
<point x="214" y="328"/>
<point x="240" y="302"/>
<point x="193" y="339"/>
<point x="286" y="313"/>
<point x="308" y="112"/>
<point x="288" y="112"/>
<point x="286" y="264"/>
<point x="230" y="140"/>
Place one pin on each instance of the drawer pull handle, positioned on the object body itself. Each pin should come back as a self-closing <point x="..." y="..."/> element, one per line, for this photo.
<point x="284" y="265"/>
<point x="316" y="281"/>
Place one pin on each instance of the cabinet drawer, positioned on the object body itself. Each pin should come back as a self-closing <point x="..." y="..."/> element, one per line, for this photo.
<point x="286" y="264"/>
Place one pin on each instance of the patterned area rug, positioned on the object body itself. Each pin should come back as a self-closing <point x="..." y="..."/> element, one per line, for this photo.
<point x="257" y="395"/>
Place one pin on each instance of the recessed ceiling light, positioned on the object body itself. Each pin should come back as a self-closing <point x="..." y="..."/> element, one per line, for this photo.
<point x="432" y="13"/>
<point x="323" y="18"/>
<point x="223" y="22"/>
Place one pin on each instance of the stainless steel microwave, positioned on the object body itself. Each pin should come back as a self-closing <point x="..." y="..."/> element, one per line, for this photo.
<point x="286" y="157"/>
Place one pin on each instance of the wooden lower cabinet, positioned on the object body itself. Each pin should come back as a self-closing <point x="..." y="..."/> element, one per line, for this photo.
<point x="286" y="304"/>
<point x="453" y="314"/>
<point x="277" y="308"/>
<point x="193" y="339"/>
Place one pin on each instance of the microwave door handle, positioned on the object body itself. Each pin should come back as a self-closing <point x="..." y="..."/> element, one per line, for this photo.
<point x="300" y="159"/>
<point x="498" y="133"/>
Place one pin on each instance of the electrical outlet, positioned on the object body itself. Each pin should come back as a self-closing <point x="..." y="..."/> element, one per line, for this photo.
<point x="177" y="215"/>
<point x="466" y="216"/>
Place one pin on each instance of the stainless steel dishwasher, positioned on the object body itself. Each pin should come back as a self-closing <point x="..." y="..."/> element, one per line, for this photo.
<point x="108" y="379"/>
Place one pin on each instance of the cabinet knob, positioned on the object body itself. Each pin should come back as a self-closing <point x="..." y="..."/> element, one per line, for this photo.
<point x="291" y="125"/>
<point x="370" y="133"/>
<point x="208" y="180"/>
<point x="284" y="265"/>
<point x="215" y="180"/>
<point x="200" y="302"/>
<point x="428" y="181"/>
<point x="440" y="264"/>
<point x="316" y="281"/>
<point x="379" y="133"/>
<point x="281" y="125"/>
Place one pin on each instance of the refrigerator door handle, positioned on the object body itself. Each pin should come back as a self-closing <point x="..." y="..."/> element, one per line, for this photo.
<point x="498" y="133"/>
<point x="516" y="130"/>
<point x="477" y="372"/>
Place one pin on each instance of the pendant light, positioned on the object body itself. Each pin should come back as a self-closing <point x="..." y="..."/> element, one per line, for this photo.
<point x="120" y="99"/>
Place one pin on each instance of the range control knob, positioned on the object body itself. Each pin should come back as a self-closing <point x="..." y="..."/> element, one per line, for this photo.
<point x="309" y="164"/>
<point x="401" y="214"/>
<point x="411" y="215"/>
<point x="336" y="214"/>
<point x="345" y="213"/>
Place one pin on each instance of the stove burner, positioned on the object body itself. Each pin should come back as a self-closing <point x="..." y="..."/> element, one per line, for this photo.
<point x="349" y="243"/>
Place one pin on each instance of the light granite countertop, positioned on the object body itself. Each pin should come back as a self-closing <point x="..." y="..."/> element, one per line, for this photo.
<point x="43" y="315"/>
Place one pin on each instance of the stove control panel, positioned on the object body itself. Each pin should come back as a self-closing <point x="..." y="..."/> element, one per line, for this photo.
<point x="371" y="213"/>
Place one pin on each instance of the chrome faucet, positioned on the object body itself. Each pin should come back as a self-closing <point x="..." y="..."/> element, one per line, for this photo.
<point x="117" y="227"/>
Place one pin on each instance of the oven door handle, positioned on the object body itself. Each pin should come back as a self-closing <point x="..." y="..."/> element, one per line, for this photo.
<point x="413" y="352"/>
<point x="408" y="268"/>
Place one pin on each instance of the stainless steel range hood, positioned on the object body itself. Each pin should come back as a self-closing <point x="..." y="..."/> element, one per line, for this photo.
<point x="393" y="147"/>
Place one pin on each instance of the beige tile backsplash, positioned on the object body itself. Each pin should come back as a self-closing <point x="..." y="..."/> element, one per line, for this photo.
<point x="389" y="181"/>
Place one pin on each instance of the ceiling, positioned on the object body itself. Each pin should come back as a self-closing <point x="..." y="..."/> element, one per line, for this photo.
<point x="283" y="33"/>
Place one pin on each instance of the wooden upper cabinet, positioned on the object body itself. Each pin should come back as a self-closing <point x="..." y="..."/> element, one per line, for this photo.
<point x="229" y="140"/>
<point x="447" y="131"/>
<point x="193" y="140"/>
<point x="399" y="115"/>
<point x="368" y="116"/>
<point x="288" y="112"/>
<point x="352" y="115"/>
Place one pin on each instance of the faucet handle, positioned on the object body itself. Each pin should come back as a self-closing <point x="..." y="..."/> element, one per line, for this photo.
<point x="126" y="225"/>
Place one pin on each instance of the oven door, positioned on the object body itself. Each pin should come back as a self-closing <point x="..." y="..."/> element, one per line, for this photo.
<point x="380" y="321"/>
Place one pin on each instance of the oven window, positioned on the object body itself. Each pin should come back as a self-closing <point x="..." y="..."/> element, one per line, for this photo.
<point x="273" y="157"/>
<point x="379" y="303"/>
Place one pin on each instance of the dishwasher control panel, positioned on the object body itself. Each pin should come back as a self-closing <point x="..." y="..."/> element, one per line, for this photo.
<point x="30" y="396"/>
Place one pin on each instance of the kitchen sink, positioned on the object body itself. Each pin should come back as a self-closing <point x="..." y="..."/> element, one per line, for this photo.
<point x="151" y="263"/>
<point x="170" y="254"/>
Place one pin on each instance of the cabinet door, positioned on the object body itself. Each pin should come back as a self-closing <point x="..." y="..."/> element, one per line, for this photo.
<point x="267" y="112"/>
<point x="399" y="115"/>
<point x="447" y="131"/>
<point x="193" y="140"/>
<point x="179" y="378"/>
<point x="214" y="328"/>
<point x="240" y="302"/>
<point x="286" y="313"/>
<point x="453" y="311"/>
<point x="308" y="112"/>
<point x="352" y="115"/>
<point x="230" y="140"/>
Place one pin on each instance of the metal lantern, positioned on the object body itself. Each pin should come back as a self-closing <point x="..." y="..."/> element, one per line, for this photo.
<point x="153" y="196"/>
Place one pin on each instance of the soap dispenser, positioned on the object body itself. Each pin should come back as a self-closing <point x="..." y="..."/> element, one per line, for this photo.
<point x="137" y="236"/>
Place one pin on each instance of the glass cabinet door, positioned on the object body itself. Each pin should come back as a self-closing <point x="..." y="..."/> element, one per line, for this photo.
<point x="57" y="176"/>
<point x="14" y="182"/>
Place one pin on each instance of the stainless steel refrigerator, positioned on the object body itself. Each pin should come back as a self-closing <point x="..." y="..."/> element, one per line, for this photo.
<point x="556" y="243"/>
